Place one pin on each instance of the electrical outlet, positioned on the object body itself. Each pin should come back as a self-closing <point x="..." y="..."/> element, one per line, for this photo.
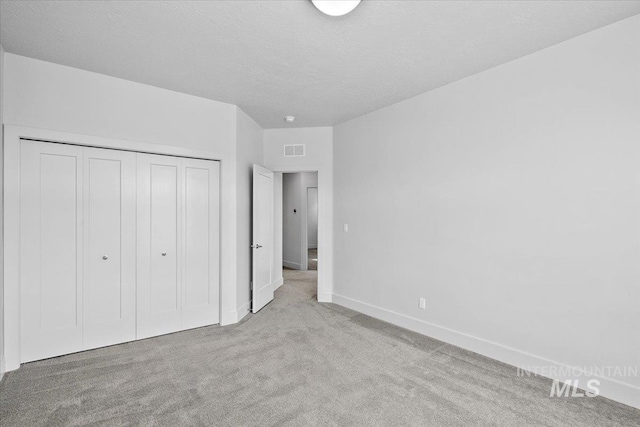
<point x="423" y="303"/>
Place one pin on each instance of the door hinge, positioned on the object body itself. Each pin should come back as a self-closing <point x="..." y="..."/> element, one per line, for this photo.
<point x="251" y="286"/>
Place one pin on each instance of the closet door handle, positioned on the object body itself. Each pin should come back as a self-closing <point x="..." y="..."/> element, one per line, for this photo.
<point x="105" y="257"/>
<point x="164" y="254"/>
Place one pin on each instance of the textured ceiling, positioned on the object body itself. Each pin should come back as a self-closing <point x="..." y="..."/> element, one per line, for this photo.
<point x="278" y="57"/>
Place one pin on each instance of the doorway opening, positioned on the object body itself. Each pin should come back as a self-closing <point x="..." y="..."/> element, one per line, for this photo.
<point x="300" y="229"/>
<point x="312" y="228"/>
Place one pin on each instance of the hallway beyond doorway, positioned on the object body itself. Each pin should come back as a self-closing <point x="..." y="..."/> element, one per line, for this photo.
<point x="312" y="264"/>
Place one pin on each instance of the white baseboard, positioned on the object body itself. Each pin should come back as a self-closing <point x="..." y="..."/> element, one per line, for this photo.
<point x="231" y="317"/>
<point x="228" y="318"/>
<point x="325" y="297"/>
<point x="2" y="367"/>
<point x="313" y="246"/>
<point x="610" y="388"/>
<point x="292" y="265"/>
<point x="243" y="310"/>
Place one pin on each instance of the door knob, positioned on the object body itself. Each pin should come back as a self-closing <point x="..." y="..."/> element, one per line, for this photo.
<point x="105" y="257"/>
<point x="257" y="246"/>
<point x="164" y="254"/>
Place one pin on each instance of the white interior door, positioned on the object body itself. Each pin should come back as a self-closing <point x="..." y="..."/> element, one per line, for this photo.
<point x="159" y="287"/>
<point x="109" y="291"/>
<point x="50" y="249"/>
<point x="262" y="265"/>
<point x="201" y="242"/>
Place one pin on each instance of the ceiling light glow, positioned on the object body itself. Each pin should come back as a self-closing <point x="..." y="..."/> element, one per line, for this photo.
<point x="335" y="7"/>
<point x="289" y="119"/>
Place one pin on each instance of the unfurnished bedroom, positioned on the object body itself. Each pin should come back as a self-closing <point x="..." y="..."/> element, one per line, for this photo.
<point x="320" y="213"/>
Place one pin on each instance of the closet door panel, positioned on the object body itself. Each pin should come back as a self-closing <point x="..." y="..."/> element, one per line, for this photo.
<point x="159" y="245"/>
<point x="197" y="250"/>
<point x="109" y="225"/>
<point x="200" y="301"/>
<point x="164" y="234"/>
<point x="51" y="250"/>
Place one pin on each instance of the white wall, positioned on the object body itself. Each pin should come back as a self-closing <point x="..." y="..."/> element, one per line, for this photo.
<point x="50" y="96"/>
<point x="43" y="95"/>
<point x="312" y="217"/>
<point x="248" y="153"/>
<point x="2" y="365"/>
<point x="510" y="201"/>
<point x="318" y="150"/>
<point x="319" y="157"/>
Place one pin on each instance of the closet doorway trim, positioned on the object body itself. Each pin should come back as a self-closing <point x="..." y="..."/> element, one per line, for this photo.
<point x="13" y="135"/>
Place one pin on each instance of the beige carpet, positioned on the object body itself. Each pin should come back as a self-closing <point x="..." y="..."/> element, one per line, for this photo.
<point x="296" y="362"/>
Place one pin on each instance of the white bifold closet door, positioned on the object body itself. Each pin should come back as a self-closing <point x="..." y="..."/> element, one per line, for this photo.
<point x="178" y="241"/>
<point x="77" y="248"/>
<point x="109" y="311"/>
<point x="115" y="246"/>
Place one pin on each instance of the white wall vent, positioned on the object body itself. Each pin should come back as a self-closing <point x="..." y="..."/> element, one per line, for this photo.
<point x="296" y="150"/>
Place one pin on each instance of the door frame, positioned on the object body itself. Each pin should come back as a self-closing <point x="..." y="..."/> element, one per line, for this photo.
<point x="325" y="224"/>
<point x="306" y="231"/>
<point x="11" y="220"/>
<point x="304" y="228"/>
